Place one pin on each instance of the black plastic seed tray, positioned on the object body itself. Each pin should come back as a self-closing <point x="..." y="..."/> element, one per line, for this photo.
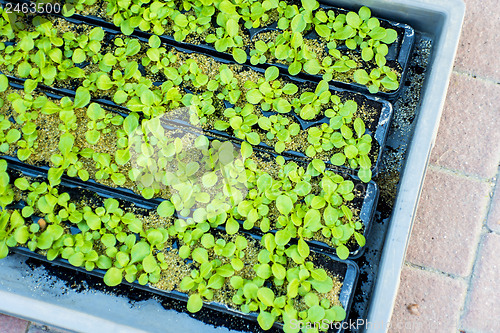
<point x="75" y="183"/>
<point x="369" y="192"/>
<point x="368" y="196"/>
<point x="368" y="200"/>
<point x="366" y="215"/>
<point x="398" y="52"/>
<point x="346" y="270"/>
<point x="378" y="130"/>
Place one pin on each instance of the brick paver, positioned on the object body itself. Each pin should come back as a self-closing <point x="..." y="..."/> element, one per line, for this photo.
<point x="478" y="48"/>
<point x="483" y="310"/>
<point x="468" y="139"/>
<point x="10" y="324"/>
<point x="448" y="222"/>
<point x="494" y="215"/>
<point x="427" y="302"/>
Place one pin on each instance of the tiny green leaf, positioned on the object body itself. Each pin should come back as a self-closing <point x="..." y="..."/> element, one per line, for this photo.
<point x="113" y="276"/>
<point x="194" y="303"/>
<point x="79" y="56"/>
<point x="365" y="175"/>
<point x="239" y="55"/>
<point x="266" y="296"/>
<point x="284" y="204"/>
<point x="361" y="76"/>
<point x="254" y="96"/>
<point x="200" y="255"/>
<point x="342" y="252"/>
<point x="165" y="209"/>
<point x="4" y="83"/>
<point x="266" y="320"/>
<point x="272" y="73"/>
<point x="139" y="252"/>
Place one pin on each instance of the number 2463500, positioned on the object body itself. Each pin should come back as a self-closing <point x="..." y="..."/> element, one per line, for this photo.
<point x="33" y="8"/>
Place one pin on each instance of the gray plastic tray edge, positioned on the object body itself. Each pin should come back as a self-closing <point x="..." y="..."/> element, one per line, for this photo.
<point x="443" y="19"/>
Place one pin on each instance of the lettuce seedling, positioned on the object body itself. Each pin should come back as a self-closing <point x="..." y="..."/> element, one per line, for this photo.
<point x="200" y="106"/>
<point x="196" y="21"/>
<point x="25" y="117"/>
<point x="241" y="120"/>
<point x="210" y="276"/>
<point x="268" y="92"/>
<point x="227" y="84"/>
<point x="256" y="14"/>
<point x="99" y="122"/>
<point x="227" y="37"/>
<point x="278" y="127"/>
<point x="8" y="135"/>
<point x="13" y="231"/>
<point x="256" y="207"/>
<point x="67" y="160"/>
<point x="312" y="102"/>
<point x="378" y="77"/>
<point x="106" y="169"/>
<point x="6" y="193"/>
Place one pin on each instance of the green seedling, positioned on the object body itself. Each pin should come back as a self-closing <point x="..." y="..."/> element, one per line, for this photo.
<point x="241" y="121"/>
<point x="277" y="126"/>
<point x="383" y="77"/>
<point x="312" y="103"/>
<point x="269" y="92"/>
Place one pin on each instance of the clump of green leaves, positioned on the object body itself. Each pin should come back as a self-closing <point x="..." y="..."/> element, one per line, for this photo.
<point x="25" y="116"/>
<point x="227" y="37"/>
<point x="8" y="135"/>
<point x="357" y="30"/>
<point x="99" y="122"/>
<point x="241" y="121"/>
<point x="301" y="213"/>
<point x="312" y="103"/>
<point x="8" y="225"/>
<point x="279" y="127"/>
<point x="338" y="135"/>
<point x="270" y="93"/>
<point x="378" y="77"/>
<point x="212" y="274"/>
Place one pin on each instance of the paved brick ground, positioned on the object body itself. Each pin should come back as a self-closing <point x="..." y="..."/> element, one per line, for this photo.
<point x="494" y="216"/>
<point x="453" y="274"/>
<point x="10" y="324"/>
<point x="448" y="222"/>
<point x="470" y="118"/>
<point x="427" y="302"/>
<point x="483" y="307"/>
<point x="477" y="53"/>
